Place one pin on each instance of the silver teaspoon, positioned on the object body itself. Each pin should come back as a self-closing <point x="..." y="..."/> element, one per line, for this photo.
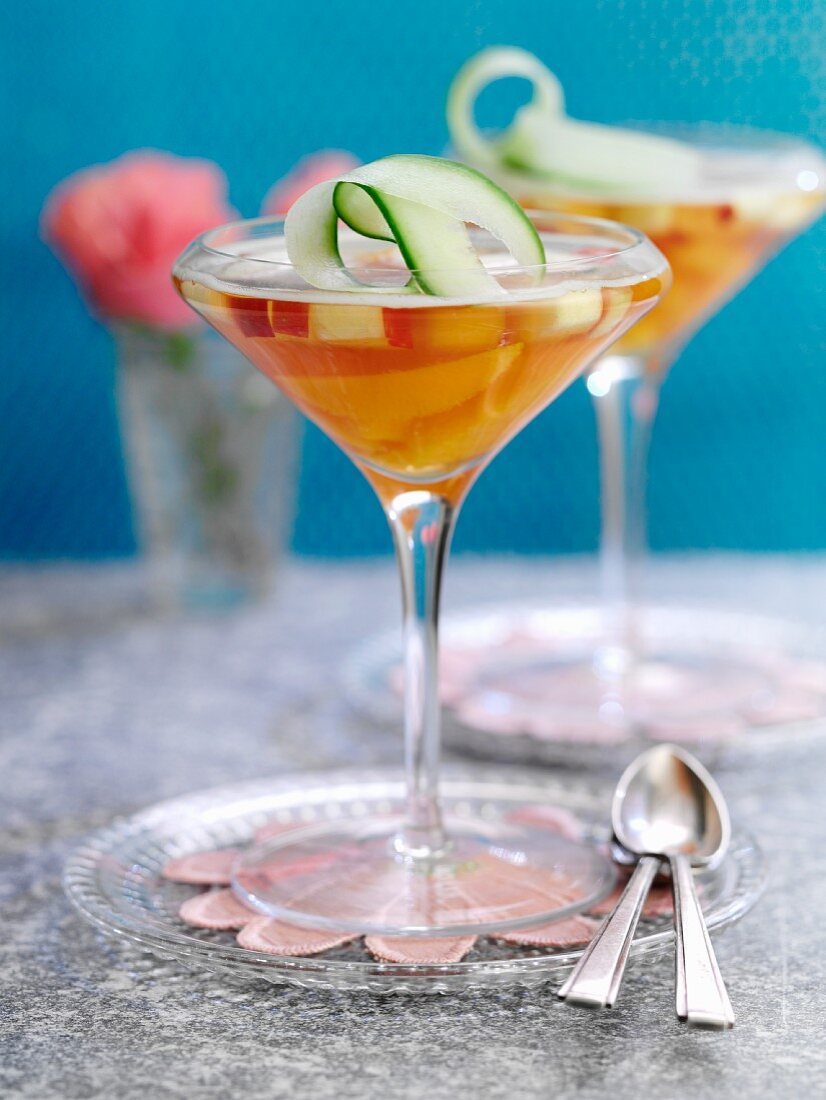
<point x="666" y="807"/>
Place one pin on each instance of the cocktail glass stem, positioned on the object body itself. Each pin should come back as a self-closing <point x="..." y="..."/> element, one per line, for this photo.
<point x="625" y="391"/>
<point x="421" y="523"/>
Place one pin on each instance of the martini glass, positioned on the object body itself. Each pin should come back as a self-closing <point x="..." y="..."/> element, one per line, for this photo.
<point x="757" y="191"/>
<point x="421" y="392"/>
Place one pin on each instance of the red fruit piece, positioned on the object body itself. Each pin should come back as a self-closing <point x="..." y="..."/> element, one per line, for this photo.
<point x="289" y="318"/>
<point x="398" y="327"/>
<point x="250" y="315"/>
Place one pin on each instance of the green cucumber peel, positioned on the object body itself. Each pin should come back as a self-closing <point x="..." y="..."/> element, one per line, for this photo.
<point x="486" y="67"/>
<point x="543" y="142"/>
<point x="423" y="204"/>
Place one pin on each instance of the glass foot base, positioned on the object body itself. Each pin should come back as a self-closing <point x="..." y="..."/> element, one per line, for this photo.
<point x="493" y="875"/>
<point x="699" y="677"/>
<point x="684" y="697"/>
<point x="521" y="684"/>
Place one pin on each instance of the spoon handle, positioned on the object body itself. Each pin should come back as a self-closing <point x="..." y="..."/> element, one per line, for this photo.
<point x="596" y="978"/>
<point x="701" y="999"/>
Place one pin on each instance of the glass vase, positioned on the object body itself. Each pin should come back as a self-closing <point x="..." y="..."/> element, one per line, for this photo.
<point x="210" y="453"/>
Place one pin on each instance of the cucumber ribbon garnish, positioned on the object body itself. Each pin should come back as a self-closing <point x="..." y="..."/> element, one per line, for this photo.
<point x="424" y="205"/>
<point x="542" y="141"/>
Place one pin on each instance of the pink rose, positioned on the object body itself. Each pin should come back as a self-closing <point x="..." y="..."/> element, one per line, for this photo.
<point x="119" y="227"/>
<point x="309" y="171"/>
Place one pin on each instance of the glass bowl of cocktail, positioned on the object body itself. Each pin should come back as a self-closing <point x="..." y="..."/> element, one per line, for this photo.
<point x="421" y="336"/>
<point x="718" y="201"/>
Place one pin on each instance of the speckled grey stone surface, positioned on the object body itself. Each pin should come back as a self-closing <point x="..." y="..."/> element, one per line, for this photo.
<point x="103" y="714"/>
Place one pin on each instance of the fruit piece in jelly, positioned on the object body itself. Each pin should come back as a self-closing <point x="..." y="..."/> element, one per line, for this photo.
<point x="777" y="212"/>
<point x="384" y="404"/>
<point x="446" y="331"/>
<point x="199" y="295"/>
<point x="575" y="312"/>
<point x="653" y="218"/>
<point x="289" y="318"/>
<point x="616" y="300"/>
<point x="249" y="314"/>
<point x="346" y="324"/>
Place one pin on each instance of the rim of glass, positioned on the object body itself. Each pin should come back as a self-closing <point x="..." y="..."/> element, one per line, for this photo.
<point x="739" y="132"/>
<point x="633" y="239"/>
<point x="723" y="139"/>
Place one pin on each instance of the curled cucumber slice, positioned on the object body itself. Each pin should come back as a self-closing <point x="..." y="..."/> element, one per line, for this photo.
<point x="485" y="68"/>
<point x="543" y="141"/>
<point x="422" y="203"/>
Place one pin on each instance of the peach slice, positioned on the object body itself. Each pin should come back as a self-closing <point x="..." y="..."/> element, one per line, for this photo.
<point x="650" y="288"/>
<point x="385" y="404"/>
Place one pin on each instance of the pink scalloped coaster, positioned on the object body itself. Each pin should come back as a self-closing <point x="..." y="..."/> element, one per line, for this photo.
<point x="485" y="711"/>
<point x="659" y="903"/>
<point x="203" y="868"/>
<point x="689" y="731"/>
<point x="218" y="909"/>
<point x="433" y="951"/>
<point x="560" y="705"/>
<point x="272" y="829"/>
<point x="554" y="818"/>
<point x="496" y="881"/>
<point x="276" y="937"/>
<point x="792" y="705"/>
<point x="572" y="932"/>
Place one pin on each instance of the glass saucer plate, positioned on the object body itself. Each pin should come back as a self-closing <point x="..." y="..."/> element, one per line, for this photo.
<point x="115" y="878"/>
<point x="767" y="678"/>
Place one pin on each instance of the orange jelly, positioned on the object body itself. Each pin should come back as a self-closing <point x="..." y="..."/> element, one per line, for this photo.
<point x="424" y="394"/>
<point x="712" y="248"/>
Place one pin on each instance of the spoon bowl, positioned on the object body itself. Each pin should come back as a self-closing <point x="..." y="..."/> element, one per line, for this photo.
<point x="666" y="803"/>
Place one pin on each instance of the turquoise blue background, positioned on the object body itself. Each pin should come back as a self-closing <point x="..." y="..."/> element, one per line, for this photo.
<point x="739" y="457"/>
